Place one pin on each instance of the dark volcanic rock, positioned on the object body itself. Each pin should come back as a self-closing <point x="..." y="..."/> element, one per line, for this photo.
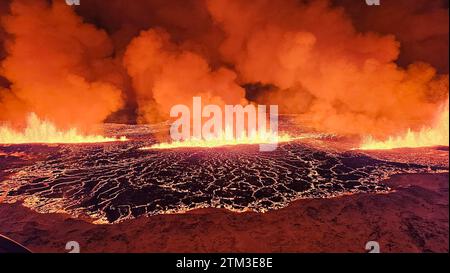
<point x="116" y="181"/>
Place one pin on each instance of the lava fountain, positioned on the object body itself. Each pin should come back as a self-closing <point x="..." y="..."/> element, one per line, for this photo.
<point x="42" y="131"/>
<point x="212" y="133"/>
<point x="226" y="138"/>
<point x="436" y="135"/>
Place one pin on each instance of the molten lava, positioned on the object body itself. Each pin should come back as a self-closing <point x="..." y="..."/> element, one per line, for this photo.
<point x="436" y="135"/>
<point x="226" y="139"/>
<point x="41" y="131"/>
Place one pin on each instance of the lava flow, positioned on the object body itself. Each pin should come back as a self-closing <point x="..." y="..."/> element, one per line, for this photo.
<point x="42" y="131"/>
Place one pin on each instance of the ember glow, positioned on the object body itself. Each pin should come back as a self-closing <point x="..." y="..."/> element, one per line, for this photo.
<point x="433" y="136"/>
<point x="41" y="131"/>
<point x="226" y="139"/>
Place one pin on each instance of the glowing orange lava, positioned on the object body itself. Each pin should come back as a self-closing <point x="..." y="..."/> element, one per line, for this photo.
<point x="41" y="131"/>
<point x="226" y="139"/>
<point x="436" y="135"/>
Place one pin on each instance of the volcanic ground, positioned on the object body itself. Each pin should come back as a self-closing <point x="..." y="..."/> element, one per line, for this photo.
<point x="112" y="182"/>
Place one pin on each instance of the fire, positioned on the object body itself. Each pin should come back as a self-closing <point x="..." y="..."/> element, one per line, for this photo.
<point x="426" y="137"/>
<point x="226" y="139"/>
<point x="42" y="131"/>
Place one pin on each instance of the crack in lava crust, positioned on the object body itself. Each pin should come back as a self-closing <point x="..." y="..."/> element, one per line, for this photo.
<point x="114" y="182"/>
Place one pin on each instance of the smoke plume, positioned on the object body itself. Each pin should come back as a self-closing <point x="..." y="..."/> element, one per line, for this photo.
<point x="343" y="66"/>
<point x="165" y="75"/>
<point x="57" y="65"/>
<point x="340" y="80"/>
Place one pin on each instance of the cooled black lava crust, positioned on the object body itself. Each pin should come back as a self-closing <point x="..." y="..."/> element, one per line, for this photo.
<point x="113" y="182"/>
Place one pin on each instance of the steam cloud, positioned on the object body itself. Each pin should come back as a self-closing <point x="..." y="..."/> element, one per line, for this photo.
<point x="343" y="66"/>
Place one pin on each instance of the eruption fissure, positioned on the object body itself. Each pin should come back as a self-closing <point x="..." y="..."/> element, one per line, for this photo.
<point x="333" y="66"/>
<point x="41" y="131"/>
<point x="226" y="138"/>
<point x="438" y="135"/>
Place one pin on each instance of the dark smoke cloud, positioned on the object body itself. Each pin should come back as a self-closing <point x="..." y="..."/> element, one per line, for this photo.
<point x="421" y="26"/>
<point x="188" y="22"/>
<point x="4" y="9"/>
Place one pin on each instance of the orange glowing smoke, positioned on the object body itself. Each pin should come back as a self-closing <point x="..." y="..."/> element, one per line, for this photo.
<point x="320" y="66"/>
<point x="433" y="136"/>
<point x="339" y="72"/>
<point x="58" y="67"/>
<point x="226" y="138"/>
<point x="164" y="74"/>
<point x="39" y="131"/>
